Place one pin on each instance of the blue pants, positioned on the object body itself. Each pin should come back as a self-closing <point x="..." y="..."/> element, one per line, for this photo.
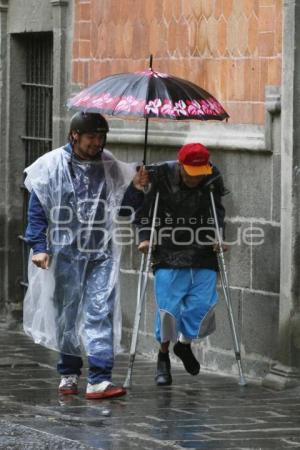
<point x="185" y="303"/>
<point x="85" y="291"/>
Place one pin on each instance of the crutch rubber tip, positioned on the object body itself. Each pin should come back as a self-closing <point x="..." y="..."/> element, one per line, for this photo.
<point x="242" y="382"/>
<point x="127" y="383"/>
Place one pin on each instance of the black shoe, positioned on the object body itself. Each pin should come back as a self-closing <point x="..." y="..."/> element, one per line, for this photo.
<point x="163" y="375"/>
<point x="184" y="352"/>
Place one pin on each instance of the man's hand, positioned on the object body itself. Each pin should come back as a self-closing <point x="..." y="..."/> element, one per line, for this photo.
<point x="144" y="247"/>
<point x="41" y="260"/>
<point x="216" y="248"/>
<point x="141" y="178"/>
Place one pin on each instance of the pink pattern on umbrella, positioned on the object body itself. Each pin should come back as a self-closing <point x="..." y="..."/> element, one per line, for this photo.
<point x="190" y="108"/>
<point x="102" y="101"/>
<point x="148" y="73"/>
<point x="153" y="106"/>
<point x="167" y="108"/>
<point x="127" y="104"/>
<point x="180" y="108"/>
<point x="151" y="73"/>
<point x="215" y="106"/>
<point x="206" y="107"/>
<point x="194" y="108"/>
<point x="82" y="100"/>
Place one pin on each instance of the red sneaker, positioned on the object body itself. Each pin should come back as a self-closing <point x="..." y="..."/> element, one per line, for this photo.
<point x="105" y="389"/>
<point x="68" y="385"/>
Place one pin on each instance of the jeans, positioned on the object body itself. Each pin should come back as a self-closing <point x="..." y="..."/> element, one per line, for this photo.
<point x="94" y="305"/>
<point x="99" y="370"/>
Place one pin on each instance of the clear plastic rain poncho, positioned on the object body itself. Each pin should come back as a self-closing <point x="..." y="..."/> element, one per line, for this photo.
<point x="74" y="305"/>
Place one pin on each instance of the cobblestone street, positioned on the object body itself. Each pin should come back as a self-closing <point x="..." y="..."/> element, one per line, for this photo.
<point x="207" y="412"/>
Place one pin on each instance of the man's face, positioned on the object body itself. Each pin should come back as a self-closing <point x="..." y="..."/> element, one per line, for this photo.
<point x="190" y="181"/>
<point x="88" y="145"/>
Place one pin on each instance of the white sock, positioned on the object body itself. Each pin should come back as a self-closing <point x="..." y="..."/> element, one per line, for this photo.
<point x="184" y="340"/>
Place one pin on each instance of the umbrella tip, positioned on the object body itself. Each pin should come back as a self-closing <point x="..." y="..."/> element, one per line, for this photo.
<point x="150" y="62"/>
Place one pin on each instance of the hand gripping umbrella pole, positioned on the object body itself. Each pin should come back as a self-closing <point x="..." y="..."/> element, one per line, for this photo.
<point x="141" y="293"/>
<point x="226" y="291"/>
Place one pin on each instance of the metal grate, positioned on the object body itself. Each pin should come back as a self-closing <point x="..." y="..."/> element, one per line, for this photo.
<point x="38" y="87"/>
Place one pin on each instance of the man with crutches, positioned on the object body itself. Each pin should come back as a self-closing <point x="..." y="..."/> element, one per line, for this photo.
<point x="184" y="254"/>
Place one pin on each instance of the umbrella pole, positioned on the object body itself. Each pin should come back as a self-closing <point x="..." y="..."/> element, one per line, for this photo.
<point x="145" y="142"/>
<point x="147" y="122"/>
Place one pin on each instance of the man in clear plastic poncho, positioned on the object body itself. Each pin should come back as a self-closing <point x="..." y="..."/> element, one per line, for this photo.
<point x="77" y="192"/>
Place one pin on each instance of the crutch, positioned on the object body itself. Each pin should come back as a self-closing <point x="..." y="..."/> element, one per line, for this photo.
<point x="226" y="291"/>
<point x="141" y="292"/>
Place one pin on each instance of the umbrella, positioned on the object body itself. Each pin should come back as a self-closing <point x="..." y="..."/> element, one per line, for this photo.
<point x="148" y="94"/>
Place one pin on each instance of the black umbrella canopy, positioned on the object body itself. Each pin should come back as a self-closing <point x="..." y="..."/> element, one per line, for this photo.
<point x="148" y="94"/>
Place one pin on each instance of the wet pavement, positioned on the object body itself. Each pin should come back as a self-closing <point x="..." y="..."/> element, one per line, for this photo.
<point x="206" y="412"/>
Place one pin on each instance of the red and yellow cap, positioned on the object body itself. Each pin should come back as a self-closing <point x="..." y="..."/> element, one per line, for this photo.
<point x="195" y="159"/>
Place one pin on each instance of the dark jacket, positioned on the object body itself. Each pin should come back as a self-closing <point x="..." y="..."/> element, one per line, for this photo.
<point x="184" y="226"/>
